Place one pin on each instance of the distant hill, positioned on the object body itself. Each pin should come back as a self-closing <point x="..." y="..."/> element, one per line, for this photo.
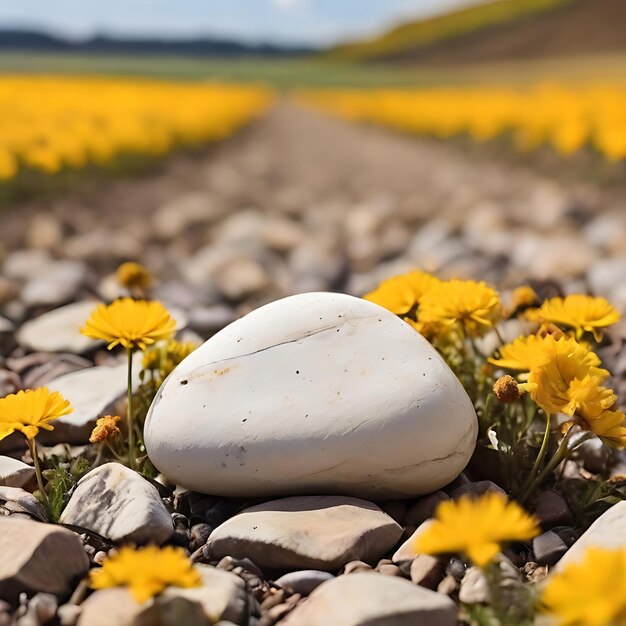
<point x="500" y="30"/>
<point x="35" y="41"/>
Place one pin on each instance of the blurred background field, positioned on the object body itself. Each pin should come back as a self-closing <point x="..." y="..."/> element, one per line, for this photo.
<point x="350" y="129"/>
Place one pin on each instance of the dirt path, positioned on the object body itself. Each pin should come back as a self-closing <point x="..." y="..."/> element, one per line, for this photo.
<point x="301" y="201"/>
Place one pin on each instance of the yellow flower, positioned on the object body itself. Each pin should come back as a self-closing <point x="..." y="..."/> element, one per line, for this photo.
<point x="591" y="592"/>
<point x="30" y="410"/>
<point x="526" y="353"/>
<point x="580" y="312"/>
<point x="472" y="305"/>
<point x="524" y="296"/>
<point x="610" y="427"/>
<point x="130" y="323"/>
<point x="476" y="527"/>
<point x="133" y="276"/>
<point x="106" y="428"/>
<point x="401" y="293"/>
<point x="566" y="383"/>
<point x="146" y="571"/>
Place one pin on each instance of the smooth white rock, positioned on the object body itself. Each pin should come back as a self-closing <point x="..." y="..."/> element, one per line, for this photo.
<point x="315" y="393"/>
<point x="608" y="531"/>
<point x="93" y="392"/>
<point x="57" y="284"/>
<point x="119" y="504"/>
<point x="59" y="330"/>
<point x="15" y="473"/>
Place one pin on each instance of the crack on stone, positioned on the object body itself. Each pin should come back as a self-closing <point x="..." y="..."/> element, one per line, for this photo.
<point x="351" y="322"/>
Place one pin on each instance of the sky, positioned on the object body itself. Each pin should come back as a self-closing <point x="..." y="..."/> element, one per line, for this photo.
<point x="315" y="22"/>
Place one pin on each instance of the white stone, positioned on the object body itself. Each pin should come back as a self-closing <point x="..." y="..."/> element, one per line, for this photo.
<point x="93" y="392"/>
<point x="57" y="284"/>
<point x="608" y="531"/>
<point x="59" y="330"/>
<point x="315" y="393"/>
<point x="364" y="599"/>
<point x="14" y="473"/>
<point x="119" y="504"/>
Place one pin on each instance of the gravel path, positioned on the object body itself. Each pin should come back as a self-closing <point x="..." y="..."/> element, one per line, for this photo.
<point x="301" y="201"/>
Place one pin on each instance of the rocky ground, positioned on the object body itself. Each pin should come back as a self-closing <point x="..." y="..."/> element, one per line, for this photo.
<point x="298" y="202"/>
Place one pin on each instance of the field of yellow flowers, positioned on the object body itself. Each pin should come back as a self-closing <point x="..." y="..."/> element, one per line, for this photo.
<point x="567" y="118"/>
<point x="54" y="123"/>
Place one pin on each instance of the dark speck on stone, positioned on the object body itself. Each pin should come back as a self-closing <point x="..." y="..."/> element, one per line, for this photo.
<point x="184" y="382"/>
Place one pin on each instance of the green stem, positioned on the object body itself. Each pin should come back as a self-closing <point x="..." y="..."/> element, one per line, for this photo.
<point x="129" y="414"/>
<point x="541" y="456"/>
<point x="32" y="444"/>
<point x="499" y="336"/>
<point x="560" y="455"/>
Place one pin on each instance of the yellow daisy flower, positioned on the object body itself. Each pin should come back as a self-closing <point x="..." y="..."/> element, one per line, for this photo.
<point x="30" y="410"/>
<point x="400" y="294"/>
<point x="526" y="353"/>
<point x="580" y="312"/>
<point x="146" y="572"/>
<point x="591" y="592"/>
<point x="476" y="527"/>
<point x="130" y="323"/>
<point x="474" y="306"/>
<point x="133" y="276"/>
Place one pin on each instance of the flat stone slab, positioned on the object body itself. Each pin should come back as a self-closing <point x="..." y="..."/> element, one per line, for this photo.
<point x="315" y="393"/>
<point x="367" y="599"/>
<point x="307" y="532"/>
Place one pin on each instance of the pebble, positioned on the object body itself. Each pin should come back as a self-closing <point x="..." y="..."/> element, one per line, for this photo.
<point x="38" y="558"/>
<point x="59" y="330"/>
<point x="608" y="531"/>
<point x="427" y="570"/>
<point x="20" y="501"/>
<point x="364" y="599"/>
<point x="303" y="581"/>
<point x="300" y="392"/>
<point x="551" y="509"/>
<point x="474" y="587"/>
<point x="93" y="392"/>
<point x="14" y="473"/>
<point x="56" y="285"/>
<point x="306" y="532"/>
<point x="221" y="596"/>
<point x="548" y="548"/>
<point x="120" y="505"/>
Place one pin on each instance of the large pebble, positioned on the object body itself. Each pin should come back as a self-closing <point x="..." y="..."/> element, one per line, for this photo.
<point x="15" y="473"/>
<point x="119" y="504"/>
<point x="93" y="392"/>
<point x="315" y="393"/>
<point x="307" y="532"/>
<point x="38" y="557"/>
<point x="59" y="330"/>
<point x="221" y="596"/>
<point x="608" y="531"/>
<point x="367" y="599"/>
